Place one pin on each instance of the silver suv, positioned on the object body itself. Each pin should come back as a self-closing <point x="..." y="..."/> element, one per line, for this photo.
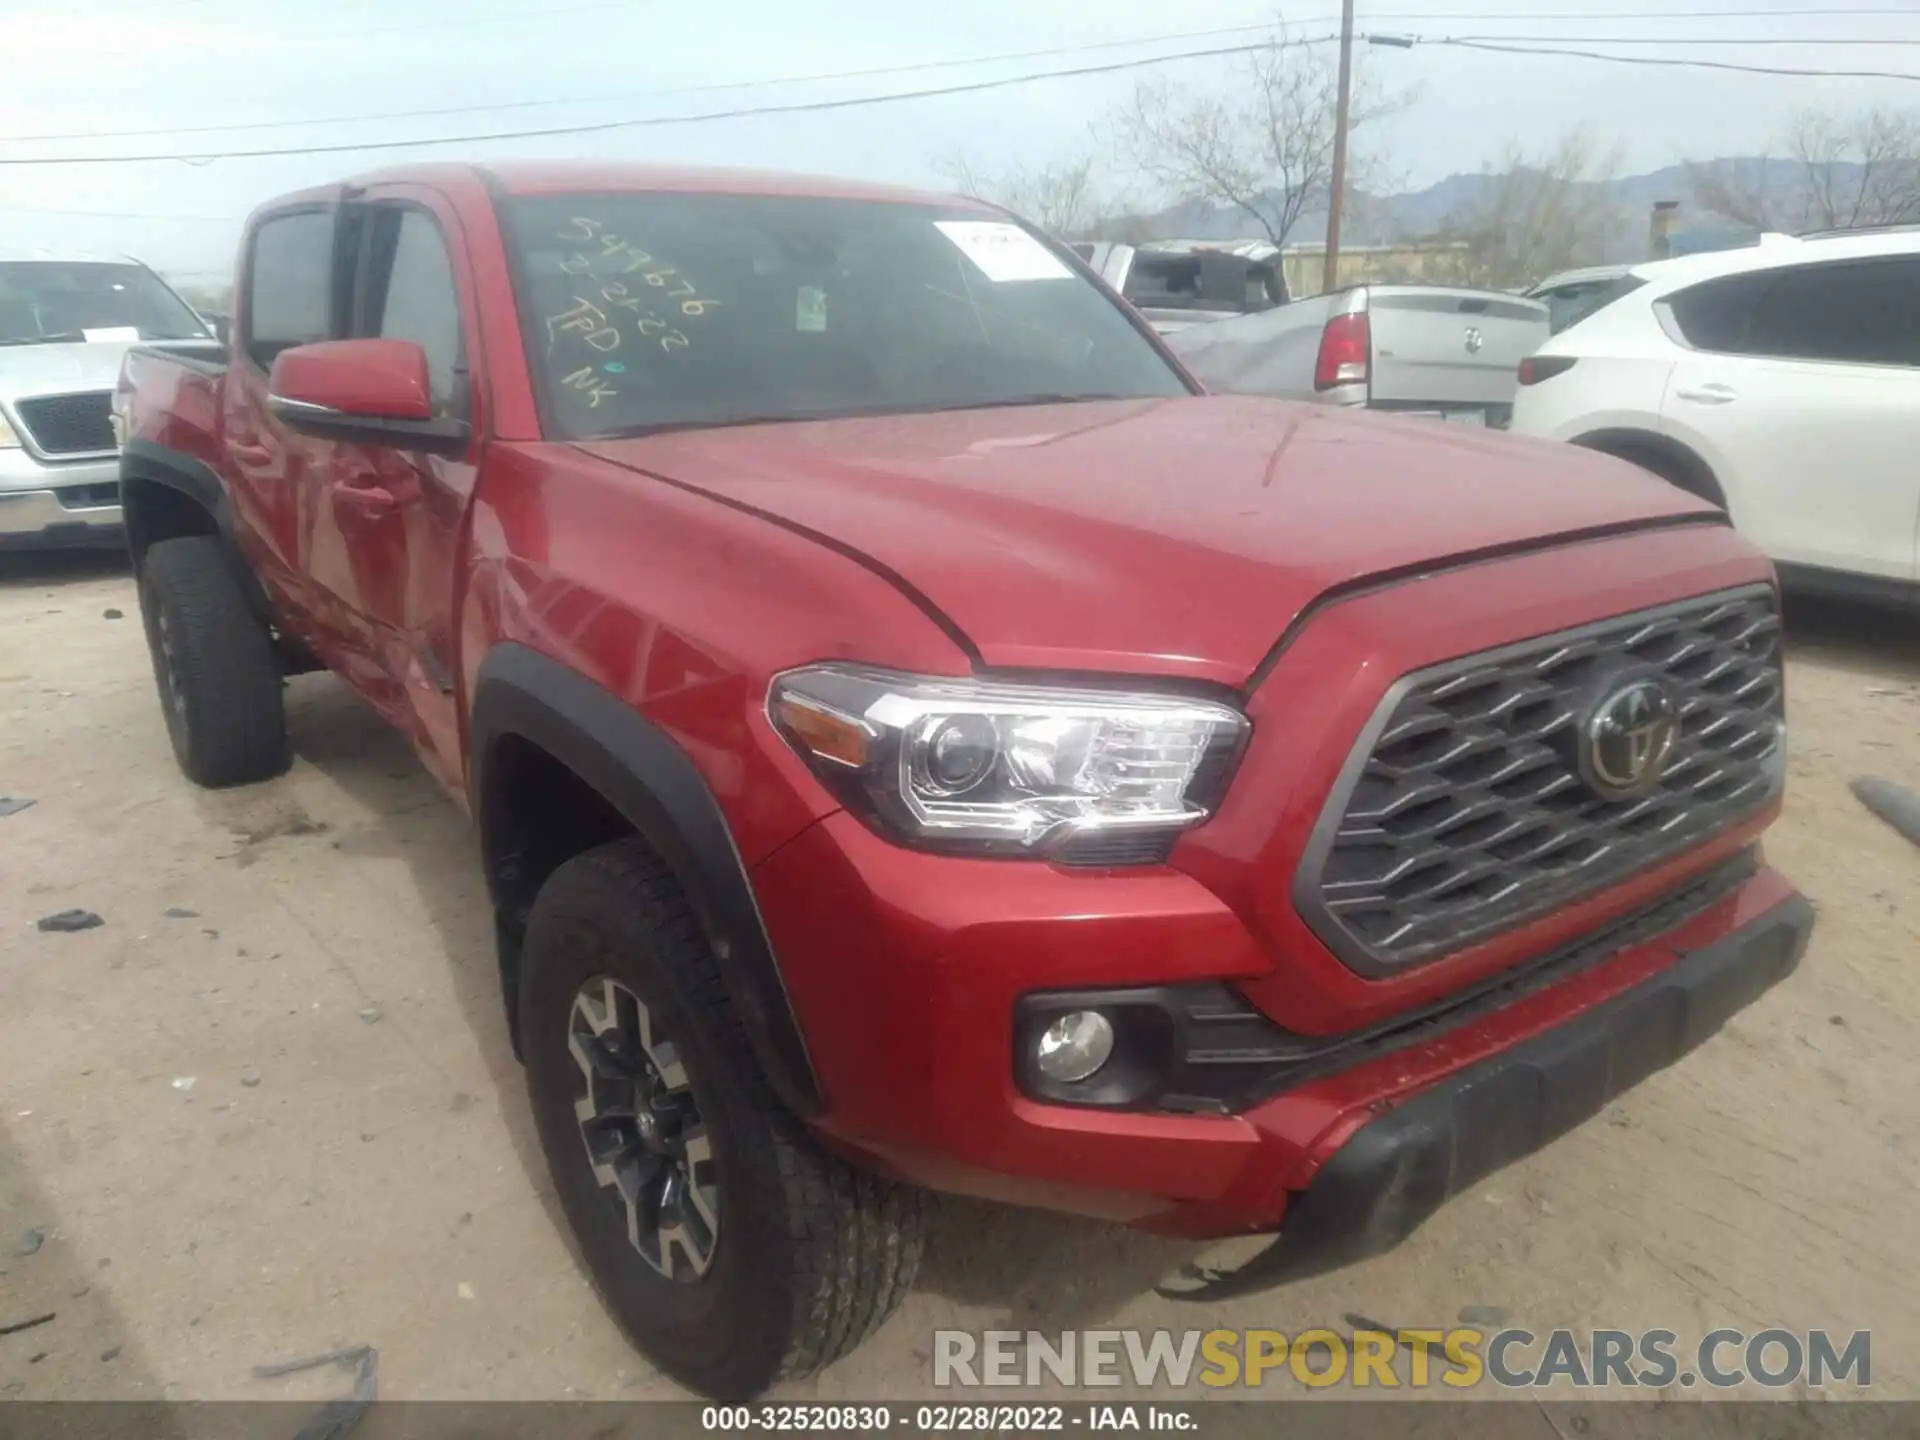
<point x="65" y="323"/>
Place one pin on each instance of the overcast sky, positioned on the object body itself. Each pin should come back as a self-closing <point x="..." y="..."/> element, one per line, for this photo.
<point x="154" y="66"/>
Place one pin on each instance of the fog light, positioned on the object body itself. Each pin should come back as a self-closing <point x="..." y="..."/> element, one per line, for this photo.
<point x="1075" y="1046"/>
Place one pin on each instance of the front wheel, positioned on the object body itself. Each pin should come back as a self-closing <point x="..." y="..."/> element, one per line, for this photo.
<point x="730" y="1246"/>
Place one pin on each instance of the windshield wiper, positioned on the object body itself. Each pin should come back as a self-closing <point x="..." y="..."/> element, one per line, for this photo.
<point x="1017" y="401"/>
<point x="851" y="412"/>
<point x="668" y="427"/>
<point x="64" y="337"/>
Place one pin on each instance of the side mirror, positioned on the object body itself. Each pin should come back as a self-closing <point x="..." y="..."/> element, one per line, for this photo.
<point x="366" y="392"/>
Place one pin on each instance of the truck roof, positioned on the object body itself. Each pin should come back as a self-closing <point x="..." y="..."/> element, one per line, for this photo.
<point x="550" y="177"/>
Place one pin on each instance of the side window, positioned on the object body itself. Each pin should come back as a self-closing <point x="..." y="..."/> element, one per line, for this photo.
<point x="290" y="284"/>
<point x="1864" y="313"/>
<point x="1718" y="315"/>
<point x="408" y="293"/>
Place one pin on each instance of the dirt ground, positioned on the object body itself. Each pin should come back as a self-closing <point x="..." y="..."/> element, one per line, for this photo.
<point x="288" y="1120"/>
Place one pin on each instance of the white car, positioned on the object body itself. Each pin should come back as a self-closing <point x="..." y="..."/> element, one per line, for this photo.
<point x="1780" y="381"/>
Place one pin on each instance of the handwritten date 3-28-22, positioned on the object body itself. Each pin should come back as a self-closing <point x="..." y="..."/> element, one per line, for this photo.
<point x="657" y="282"/>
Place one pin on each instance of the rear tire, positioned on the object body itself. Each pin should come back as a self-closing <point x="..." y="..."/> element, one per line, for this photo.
<point x="806" y="1255"/>
<point x="214" y="664"/>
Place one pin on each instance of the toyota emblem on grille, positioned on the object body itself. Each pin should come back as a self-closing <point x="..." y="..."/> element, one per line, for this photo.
<point x="1627" y="738"/>
<point x="1474" y="340"/>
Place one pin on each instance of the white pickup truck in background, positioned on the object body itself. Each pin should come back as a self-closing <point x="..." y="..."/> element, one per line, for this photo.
<point x="1424" y="349"/>
<point x="1175" y="285"/>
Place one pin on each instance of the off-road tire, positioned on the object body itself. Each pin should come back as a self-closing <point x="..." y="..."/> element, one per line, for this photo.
<point x="214" y="664"/>
<point x="811" y="1255"/>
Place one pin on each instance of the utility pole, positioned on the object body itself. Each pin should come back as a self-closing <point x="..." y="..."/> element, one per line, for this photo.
<point x="1330" y="280"/>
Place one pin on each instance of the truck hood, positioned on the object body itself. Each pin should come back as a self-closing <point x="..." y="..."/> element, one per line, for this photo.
<point x="1172" y="536"/>
<point x="56" y="369"/>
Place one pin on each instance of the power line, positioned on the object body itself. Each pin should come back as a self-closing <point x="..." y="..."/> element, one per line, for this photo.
<point x="961" y="88"/>
<point x="923" y="66"/>
<point x="456" y="22"/>
<point x="89" y="14"/>
<point x="1690" y="40"/>
<point x="1264" y="27"/>
<point x="654" y="94"/>
<point x="120" y="215"/>
<point x="790" y="108"/>
<point x="1460" y="42"/>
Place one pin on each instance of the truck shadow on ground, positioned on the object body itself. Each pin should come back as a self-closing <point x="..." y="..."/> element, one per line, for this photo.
<point x="26" y="568"/>
<point x="1879" y="638"/>
<point x="1046" y="1271"/>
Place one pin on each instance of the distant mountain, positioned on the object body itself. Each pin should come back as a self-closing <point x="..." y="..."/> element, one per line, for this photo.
<point x="1397" y="219"/>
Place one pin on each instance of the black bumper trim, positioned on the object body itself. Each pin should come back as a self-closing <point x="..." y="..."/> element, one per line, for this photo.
<point x="1397" y="1170"/>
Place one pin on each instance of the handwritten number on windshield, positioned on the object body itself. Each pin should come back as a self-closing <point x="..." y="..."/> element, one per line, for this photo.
<point x="649" y="324"/>
<point x="592" y="323"/>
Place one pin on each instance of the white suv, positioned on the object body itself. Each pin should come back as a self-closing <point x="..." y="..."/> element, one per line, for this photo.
<point x="1781" y="381"/>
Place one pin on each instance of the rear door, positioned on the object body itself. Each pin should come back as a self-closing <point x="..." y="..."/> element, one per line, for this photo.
<point x="291" y="292"/>
<point x="1455" y="352"/>
<point x="1800" y="386"/>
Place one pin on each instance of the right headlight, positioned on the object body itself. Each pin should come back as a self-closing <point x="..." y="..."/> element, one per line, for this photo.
<point x="8" y="439"/>
<point x="994" y="767"/>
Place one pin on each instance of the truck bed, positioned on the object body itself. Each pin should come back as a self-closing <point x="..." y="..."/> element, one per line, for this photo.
<point x="208" y="357"/>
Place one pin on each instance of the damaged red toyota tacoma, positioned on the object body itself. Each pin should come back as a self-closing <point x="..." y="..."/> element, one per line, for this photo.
<point x="919" y="741"/>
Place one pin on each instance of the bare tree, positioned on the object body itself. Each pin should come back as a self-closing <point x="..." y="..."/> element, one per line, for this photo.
<point x="1063" y="198"/>
<point x="1840" y="172"/>
<point x="1540" y="213"/>
<point x="1264" y="148"/>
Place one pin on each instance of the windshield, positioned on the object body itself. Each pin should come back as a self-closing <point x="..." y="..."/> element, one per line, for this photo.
<point x="1568" y="305"/>
<point x="657" y="311"/>
<point x="49" y="302"/>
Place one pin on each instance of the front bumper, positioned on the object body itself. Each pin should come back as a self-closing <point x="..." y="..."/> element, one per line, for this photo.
<point x="58" y="505"/>
<point x="907" y="970"/>
<point x="1395" y="1171"/>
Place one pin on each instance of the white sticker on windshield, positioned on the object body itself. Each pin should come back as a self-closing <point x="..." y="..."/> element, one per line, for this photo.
<point x="810" y="311"/>
<point x="1001" y="251"/>
<point x="112" y="335"/>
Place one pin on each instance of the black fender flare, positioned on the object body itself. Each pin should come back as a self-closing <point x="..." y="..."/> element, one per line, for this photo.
<point x="163" y="465"/>
<point x="639" y="770"/>
<point x="144" y="462"/>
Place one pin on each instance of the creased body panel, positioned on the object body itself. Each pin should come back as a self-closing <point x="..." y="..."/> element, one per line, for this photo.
<point x="1176" y="536"/>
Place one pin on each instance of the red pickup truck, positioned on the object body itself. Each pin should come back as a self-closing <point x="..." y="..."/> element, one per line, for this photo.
<point x="919" y="741"/>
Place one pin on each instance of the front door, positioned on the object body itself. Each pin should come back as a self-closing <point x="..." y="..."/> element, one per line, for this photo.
<point x="382" y="525"/>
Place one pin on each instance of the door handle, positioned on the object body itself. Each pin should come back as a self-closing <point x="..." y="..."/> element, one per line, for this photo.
<point x="366" y="502"/>
<point x="1710" y="393"/>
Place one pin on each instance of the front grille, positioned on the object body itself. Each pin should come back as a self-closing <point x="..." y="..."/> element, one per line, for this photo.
<point x="1463" y="812"/>
<point x="79" y="424"/>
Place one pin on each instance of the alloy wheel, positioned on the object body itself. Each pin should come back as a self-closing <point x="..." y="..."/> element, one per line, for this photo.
<point x="643" y="1131"/>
